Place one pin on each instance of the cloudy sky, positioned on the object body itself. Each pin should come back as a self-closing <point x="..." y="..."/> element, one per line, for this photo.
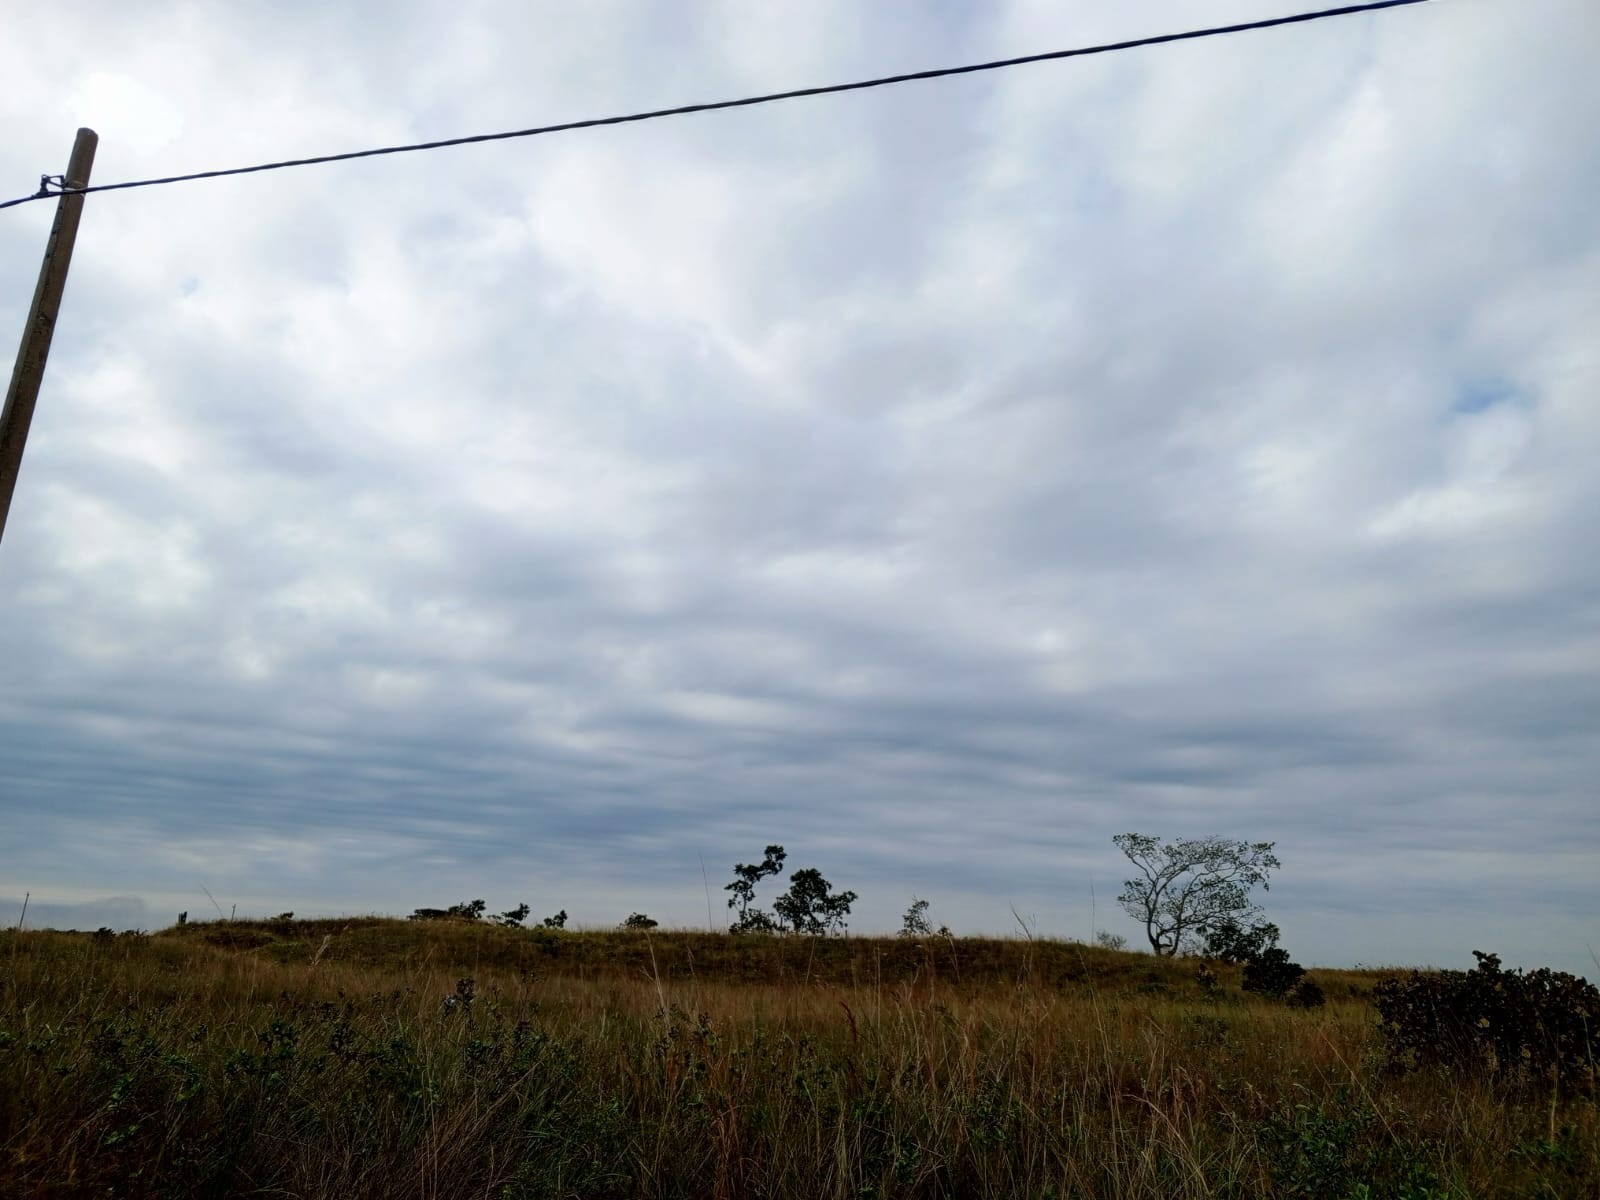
<point x="936" y="480"/>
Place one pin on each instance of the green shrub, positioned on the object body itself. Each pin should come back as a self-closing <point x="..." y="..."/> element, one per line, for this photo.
<point x="467" y="910"/>
<point x="1305" y="994"/>
<point x="1540" y="1025"/>
<point x="1230" y="942"/>
<point x="1270" y="973"/>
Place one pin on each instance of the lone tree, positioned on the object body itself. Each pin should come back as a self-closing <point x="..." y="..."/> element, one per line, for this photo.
<point x="807" y="907"/>
<point x="1187" y="887"/>
<point x="743" y="887"/>
<point x="915" y="922"/>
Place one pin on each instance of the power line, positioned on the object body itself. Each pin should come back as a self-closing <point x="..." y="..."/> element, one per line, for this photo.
<point x="49" y="185"/>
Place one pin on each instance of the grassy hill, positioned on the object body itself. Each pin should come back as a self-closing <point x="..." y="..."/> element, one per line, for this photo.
<point x="373" y="1057"/>
<point x="477" y="946"/>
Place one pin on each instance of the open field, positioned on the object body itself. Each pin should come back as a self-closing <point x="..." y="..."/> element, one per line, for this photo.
<point x="375" y="1058"/>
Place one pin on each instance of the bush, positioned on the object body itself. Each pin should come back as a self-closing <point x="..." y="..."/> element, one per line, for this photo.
<point x="1540" y="1025"/>
<point x="467" y="910"/>
<point x="1231" y="942"/>
<point x="1107" y="940"/>
<point x="639" y="921"/>
<point x="1270" y="973"/>
<point x="1305" y="994"/>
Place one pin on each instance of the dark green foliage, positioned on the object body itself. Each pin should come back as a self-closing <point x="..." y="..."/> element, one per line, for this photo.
<point x="1306" y="994"/>
<point x="1268" y="970"/>
<point x="1107" y="940"/>
<point x="1313" y="1150"/>
<point x="1232" y="941"/>
<point x="638" y="920"/>
<point x="808" y="907"/>
<point x="515" y="916"/>
<point x="1535" y="1026"/>
<point x="1342" y="1151"/>
<point x="755" y="920"/>
<point x="1270" y="973"/>
<point x="467" y="910"/>
<point x="1557" y="1159"/>
<point x="746" y="875"/>
<point x="559" y="921"/>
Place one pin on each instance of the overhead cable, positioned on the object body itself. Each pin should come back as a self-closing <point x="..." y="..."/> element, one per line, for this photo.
<point x="49" y="185"/>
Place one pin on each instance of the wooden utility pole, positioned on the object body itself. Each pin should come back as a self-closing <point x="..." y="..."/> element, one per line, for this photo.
<point x="28" y="373"/>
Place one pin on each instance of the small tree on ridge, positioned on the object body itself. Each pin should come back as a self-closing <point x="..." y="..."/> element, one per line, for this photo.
<point x="808" y="907"/>
<point x="915" y="922"/>
<point x="746" y="875"/>
<point x="1187" y="886"/>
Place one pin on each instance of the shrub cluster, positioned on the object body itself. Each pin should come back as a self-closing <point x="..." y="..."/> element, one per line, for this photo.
<point x="1268" y="970"/>
<point x="1271" y="973"/>
<point x="467" y="910"/>
<point x="1233" y="942"/>
<point x="1539" y="1026"/>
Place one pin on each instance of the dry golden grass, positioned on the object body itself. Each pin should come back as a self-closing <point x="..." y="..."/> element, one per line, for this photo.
<point x="350" y="1059"/>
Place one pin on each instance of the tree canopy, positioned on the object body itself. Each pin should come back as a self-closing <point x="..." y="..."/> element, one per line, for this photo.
<point x="808" y="906"/>
<point x="746" y="875"/>
<point x="1188" y="886"/>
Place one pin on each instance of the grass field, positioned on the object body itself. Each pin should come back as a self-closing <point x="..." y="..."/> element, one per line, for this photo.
<point x="377" y="1058"/>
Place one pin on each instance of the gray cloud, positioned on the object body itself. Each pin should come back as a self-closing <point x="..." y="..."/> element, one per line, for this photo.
<point x="937" y="481"/>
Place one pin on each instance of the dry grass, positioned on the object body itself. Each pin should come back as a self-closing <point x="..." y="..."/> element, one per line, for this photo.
<point x="348" y="1059"/>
